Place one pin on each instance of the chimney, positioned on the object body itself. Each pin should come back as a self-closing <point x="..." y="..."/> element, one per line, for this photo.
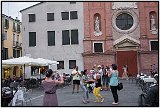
<point x="17" y="19"/>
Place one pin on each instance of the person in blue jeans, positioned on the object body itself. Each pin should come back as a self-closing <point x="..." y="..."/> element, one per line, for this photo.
<point x="83" y="85"/>
<point x="114" y="83"/>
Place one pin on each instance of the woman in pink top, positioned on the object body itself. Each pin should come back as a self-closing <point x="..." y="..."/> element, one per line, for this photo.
<point x="49" y="86"/>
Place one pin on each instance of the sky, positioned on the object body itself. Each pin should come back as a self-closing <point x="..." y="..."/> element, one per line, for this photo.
<point x="12" y="8"/>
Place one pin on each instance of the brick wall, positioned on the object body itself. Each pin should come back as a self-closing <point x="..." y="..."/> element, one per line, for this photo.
<point x="147" y="57"/>
<point x="141" y="33"/>
<point x="147" y="60"/>
<point x="144" y="9"/>
<point x="90" y="61"/>
<point x="144" y="44"/>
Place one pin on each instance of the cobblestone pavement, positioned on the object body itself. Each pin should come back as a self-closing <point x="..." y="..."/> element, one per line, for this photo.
<point x="128" y="96"/>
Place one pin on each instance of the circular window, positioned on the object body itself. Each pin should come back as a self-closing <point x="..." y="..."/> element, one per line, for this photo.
<point x="124" y="21"/>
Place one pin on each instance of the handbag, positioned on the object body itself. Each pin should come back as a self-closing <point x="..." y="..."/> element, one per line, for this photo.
<point x="120" y="86"/>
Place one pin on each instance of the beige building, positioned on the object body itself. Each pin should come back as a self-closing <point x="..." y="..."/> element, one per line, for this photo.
<point x="11" y="43"/>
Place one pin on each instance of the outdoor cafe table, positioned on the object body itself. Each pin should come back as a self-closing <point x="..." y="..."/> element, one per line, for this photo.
<point x="141" y="77"/>
<point x="149" y="80"/>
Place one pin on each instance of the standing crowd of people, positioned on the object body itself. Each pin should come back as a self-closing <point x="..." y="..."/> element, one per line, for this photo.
<point x="95" y="80"/>
<point x="90" y="81"/>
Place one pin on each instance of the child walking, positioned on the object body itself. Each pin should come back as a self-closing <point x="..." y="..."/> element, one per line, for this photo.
<point x="97" y="89"/>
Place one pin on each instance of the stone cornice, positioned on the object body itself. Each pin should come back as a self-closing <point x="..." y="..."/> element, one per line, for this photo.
<point x="109" y="52"/>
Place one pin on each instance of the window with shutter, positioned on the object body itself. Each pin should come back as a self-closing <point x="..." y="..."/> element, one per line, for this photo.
<point x="72" y="64"/>
<point x="5" y="54"/>
<point x="14" y="53"/>
<point x="73" y="15"/>
<point x="50" y="16"/>
<point x="60" y="65"/>
<point x="65" y="37"/>
<point x="14" y="27"/>
<point x="32" y="39"/>
<point x="74" y="36"/>
<point x="154" y="45"/>
<point x="6" y="24"/>
<point x="5" y="35"/>
<point x="51" y="38"/>
<point x="98" y="47"/>
<point x="65" y="15"/>
<point x="18" y="28"/>
<point x="32" y="17"/>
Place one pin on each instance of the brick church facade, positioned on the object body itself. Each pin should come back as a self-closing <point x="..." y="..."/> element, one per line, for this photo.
<point x="121" y="33"/>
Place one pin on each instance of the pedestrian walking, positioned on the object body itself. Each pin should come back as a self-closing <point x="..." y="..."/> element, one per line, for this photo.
<point x="76" y="79"/>
<point x="104" y="78"/>
<point x="107" y="78"/>
<point x="125" y="72"/>
<point x="114" y="82"/>
<point x="83" y="85"/>
<point x="97" y="88"/>
<point x="49" y="86"/>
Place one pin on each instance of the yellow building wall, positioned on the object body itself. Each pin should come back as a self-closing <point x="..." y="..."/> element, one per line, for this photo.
<point x="2" y="29"/>
<point x="9" y="42"/>
<point x="2" y="36"/>
<point x="8" y="71"/>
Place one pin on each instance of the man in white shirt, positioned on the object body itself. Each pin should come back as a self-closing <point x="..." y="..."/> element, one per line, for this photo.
<point x="100" y="71"/>
<point x="76" y="79"/>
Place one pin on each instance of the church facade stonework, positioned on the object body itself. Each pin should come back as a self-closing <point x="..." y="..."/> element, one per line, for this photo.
<point x="127" y="37"/>
<point x="94" y="33"/>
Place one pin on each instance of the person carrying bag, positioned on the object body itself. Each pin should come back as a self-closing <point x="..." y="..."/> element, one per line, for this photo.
<point x="120" y="86"/>
<point x="114" y="83"/>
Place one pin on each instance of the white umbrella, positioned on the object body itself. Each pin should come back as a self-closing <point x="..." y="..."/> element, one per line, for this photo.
<point x="18" y="61"/>
<point x="23" y="61"/>
<point x="46" y="61"/>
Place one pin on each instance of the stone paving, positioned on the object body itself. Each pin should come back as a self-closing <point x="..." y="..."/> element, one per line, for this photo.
<point x="128" y="96"/>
